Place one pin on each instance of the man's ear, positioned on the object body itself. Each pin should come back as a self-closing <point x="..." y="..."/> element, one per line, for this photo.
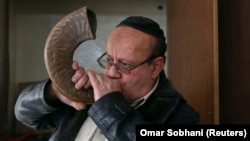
<point x="158" y="65"/>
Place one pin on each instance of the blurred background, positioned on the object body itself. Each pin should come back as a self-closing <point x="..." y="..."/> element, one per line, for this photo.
<point x="208" y="57"/>
<point x="26" y="28"/>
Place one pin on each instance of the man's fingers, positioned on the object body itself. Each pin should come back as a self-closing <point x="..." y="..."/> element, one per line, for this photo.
<point x="82" y="82"/>
<point x="92" y="77"/>
<point x="78" y="74"/>
<point x="78" y="106"/>
<point x="75" y="65"/>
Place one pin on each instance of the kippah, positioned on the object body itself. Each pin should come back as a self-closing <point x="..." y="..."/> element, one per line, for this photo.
<point x="145" y="25"/>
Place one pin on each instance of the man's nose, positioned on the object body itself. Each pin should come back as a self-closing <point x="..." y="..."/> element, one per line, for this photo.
<point x="112" y="72"/>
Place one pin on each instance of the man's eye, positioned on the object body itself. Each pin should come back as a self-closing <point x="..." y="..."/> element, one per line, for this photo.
<point x="109" y="60"/>
<point x="125" y="65"/>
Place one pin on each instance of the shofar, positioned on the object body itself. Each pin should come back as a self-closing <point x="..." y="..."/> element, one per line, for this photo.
<point x="63" y="39"/>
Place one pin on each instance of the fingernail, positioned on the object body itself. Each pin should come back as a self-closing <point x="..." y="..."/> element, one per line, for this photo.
<point x="76" y="86"/>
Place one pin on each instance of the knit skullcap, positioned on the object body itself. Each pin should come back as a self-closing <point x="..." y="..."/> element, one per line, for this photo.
<point x="145" y="25"/>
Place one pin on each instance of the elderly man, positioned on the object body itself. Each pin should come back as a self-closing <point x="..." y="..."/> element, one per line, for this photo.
<point x="134" y="90"/>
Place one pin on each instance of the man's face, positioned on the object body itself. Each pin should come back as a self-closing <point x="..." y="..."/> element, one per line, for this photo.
<point x="130" y="46"/>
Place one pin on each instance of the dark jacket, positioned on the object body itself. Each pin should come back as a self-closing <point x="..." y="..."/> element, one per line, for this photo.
<point x="111" y="113"/>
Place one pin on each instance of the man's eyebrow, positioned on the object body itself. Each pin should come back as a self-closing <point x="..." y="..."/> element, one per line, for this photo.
<point x="129" y="62"/>
<point x="119" y="59"/>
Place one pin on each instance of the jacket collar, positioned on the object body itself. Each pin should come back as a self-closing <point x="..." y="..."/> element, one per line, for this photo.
<point x="165" y="99"/>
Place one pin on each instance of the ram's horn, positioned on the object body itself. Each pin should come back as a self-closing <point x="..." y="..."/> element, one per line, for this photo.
<point x="64" y="38"/>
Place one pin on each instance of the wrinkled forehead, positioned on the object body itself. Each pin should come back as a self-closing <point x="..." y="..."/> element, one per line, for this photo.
<point x="127" y="42"/>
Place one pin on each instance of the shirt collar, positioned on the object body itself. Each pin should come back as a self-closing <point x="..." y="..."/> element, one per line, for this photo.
<point x="137" y="103"/>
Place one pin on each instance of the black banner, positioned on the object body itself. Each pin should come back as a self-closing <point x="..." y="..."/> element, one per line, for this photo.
<point x="194" y="132"/>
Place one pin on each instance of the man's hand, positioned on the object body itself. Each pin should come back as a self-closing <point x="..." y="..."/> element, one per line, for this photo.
<point x="102" y="84"/>
<point x="81" y="80"/>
